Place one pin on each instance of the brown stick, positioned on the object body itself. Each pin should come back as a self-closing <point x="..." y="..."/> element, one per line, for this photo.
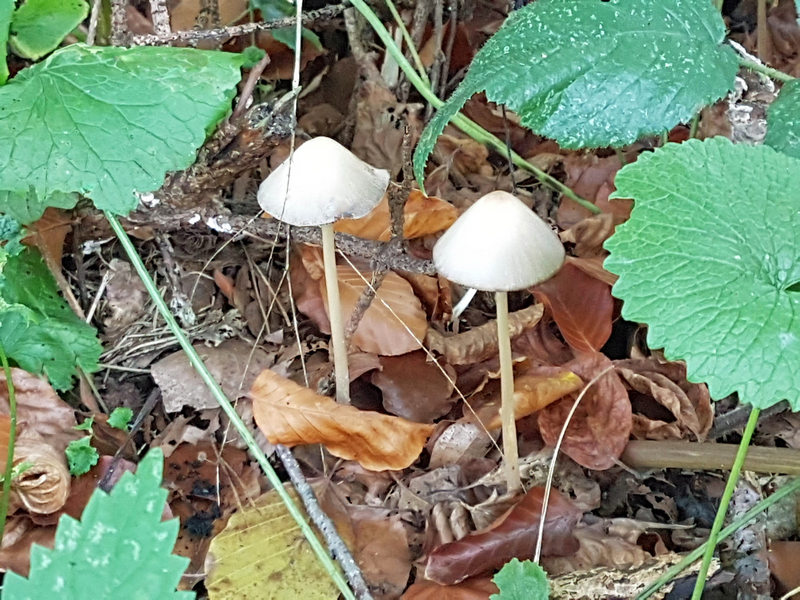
<point x="647" y="454"/>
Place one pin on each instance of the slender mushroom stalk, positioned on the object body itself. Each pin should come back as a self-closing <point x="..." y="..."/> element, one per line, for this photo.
<point x="340" y="363"/>
<point x="500" y="245"/>
<point x="326" y="182"/>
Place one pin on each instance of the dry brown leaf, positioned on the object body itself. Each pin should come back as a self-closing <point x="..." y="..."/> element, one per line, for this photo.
<point x="44" y="487"/>
<point x="393" y="323"/>
<point x="40" y="409"/>
<point x="234" y="364"/>
<point x="460" y="442"/>
<point x="601" y="425"/>
<point x="532" y="392"/>
<point x="581" y="305"/>
<point x="381" y="550"/>
<point x="422" y="215"/>
<point x="477" y="588"/>
<point x="414" y="388"/>
<point x="592" y="178"/>
<point x="599" y="548"/>
<point x="48" y="235"/>
<point x="125" y="298"/>
<point x="689" y="404"/>
<point x="589" y="234"/>
<point x="593" y="267"/>
<point x="480" y="343"/>
<point x="290" y="414"/>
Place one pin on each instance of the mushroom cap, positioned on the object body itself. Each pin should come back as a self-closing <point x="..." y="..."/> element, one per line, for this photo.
<point x="498" y="244"/>
<point x="328" y="183"/>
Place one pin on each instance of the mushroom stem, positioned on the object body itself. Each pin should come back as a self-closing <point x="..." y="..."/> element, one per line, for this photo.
<point x="335" y="315"/>
<point x="510" y="452"/>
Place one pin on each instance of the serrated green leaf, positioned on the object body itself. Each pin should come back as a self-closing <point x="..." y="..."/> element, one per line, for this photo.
<point x="106" y="122"/>
<point x="119" y="549"/>
<point x="27" y="207"/>
<point x="783" y="120"/>
<point x="39" y="26"/>
<point x="589" y="73"/>
<point x="6" y="10"/>
<point x="709" y="260"/>
<point x="37" y="328"/>
<point x="81" y="455"/>
<point x="120" y="417"/>
<point x="521" y="580"/>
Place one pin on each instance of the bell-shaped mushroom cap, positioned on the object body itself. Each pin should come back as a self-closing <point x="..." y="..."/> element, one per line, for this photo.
<point x="328" y="183"/>
<point x="498" y="245"/>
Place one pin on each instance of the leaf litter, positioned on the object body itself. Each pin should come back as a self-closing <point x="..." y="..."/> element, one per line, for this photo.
<point x="410" y="474"/>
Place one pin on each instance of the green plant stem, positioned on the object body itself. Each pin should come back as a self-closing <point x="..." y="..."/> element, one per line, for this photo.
<point x="409" y="42"/>
<point x="12" y="437"/>
<point x="228" y="409"/>
<point x="695" y="554"/>
<point x="719" y="520"/>
<point x="472" y="129"/>
<point x="768" y="71"/>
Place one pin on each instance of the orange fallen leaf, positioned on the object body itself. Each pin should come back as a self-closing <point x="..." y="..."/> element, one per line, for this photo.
<point x="290" y="414"/>
<point x="394" y="323"/>
<point x="422" y="215"/>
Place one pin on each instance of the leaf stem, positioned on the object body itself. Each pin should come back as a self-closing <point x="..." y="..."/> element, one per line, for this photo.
<point x="409" y="42"/>
<point x="12" y="436"/>
<point x="228" y="409"/>
<point x="764" y="69"/>
<point x="695" y="554"/>
<point x="719" y="520"/>
<point x="471" y="128"/>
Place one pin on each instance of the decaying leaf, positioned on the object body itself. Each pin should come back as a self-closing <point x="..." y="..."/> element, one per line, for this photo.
<point x="477" y="588"/>
<point x="234" y="364"/>
<point x="262" y="554"/>
<point x="532" y="392"/>
<point x="601" y="425"/>
<point x="422" y="215"/>
<point x="290" y="414"/>
<point x="414" y="388"/>
<point x="393" y="324"/>
<point x="689" y="404"/>
<point x="460" y="442"/>
<point x="43" y="487"/>
<point x="513" y="535"/>
<point x="582" y="307"/>
<point x="480" y="343"/>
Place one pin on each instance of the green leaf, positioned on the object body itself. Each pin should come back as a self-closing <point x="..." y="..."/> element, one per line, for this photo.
<point x="81" y="455"/>
<point x="710" y="260"/>
<point x="39" y="26"/>
<point x="120" y="549"/>
<point x="286" y="35"/>
<point x="6" y="10"/>
<point x="86" y="425"/>
<point x="37" y="328"/>
<point x="521" y="580"/>
<point x="252" y="55"/>
<point x="106" y="122"/>
<point x="120" y="417"/>
<point x="28" y="206"/>
<point x="12" y="233"/>
<point x="589" y="73"/>
<point x="783" y="120"/>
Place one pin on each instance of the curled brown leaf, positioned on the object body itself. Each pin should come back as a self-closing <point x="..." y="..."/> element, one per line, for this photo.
<point x="512" y="535"/>
<point x="601" y="425"/>
<point x="290" y="414"/>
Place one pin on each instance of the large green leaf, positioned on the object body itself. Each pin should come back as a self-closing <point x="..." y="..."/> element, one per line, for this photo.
<point x="120" y="549"/>
<point x="106" y="122"/>
<point x="783" y="120"/>
<point x="710" y="260"/>
<point x="39" y="26"/>
<point x="589" y="73"/>
<point x="37" y="328"/>
<point x="6" y="9"/>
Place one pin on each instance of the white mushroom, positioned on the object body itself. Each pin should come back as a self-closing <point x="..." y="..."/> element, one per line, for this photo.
<point x="321" y="183"/>
<point x="498" y="244"/>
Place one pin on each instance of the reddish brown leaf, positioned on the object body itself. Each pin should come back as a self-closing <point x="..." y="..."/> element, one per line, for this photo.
<point x="512" y="535"/>
<point x="422" y="215"/>
<point x="305" y="269"/>
<point x="601" y="425"/>
<point x="581" y="305"/>
<point x="689" y="404"/>
<point x="592" y="178"/>
<point x="290" y="414"/>
<point x="393" y="323"/>
<point x="413" y="387"/>
<point x="478" y="588"/>
<point x="48" y="234"/>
